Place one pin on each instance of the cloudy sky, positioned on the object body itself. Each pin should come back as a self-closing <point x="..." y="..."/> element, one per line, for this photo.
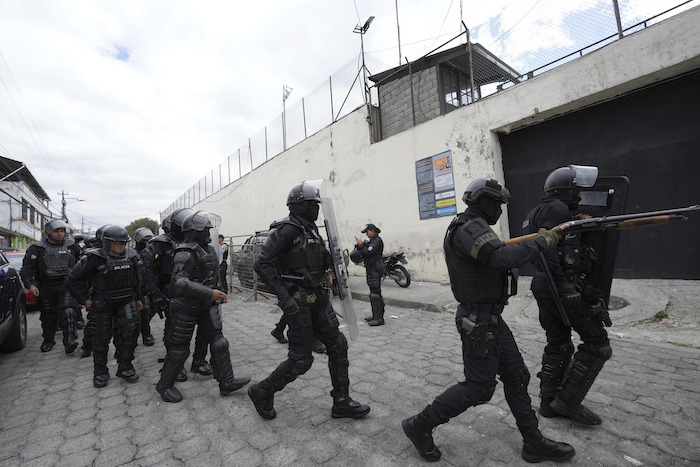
<point x="127" y="104"/>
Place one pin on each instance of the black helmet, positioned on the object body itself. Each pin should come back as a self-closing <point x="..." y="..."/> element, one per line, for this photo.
<point x="142" y="233"/>
<point x="565" y="183"/>
<point x="304" y="192"/>
<point x="166" y="222"/>
<point x="197" y="221"/>
<point x="356" y="256"/>
<point x="54" y="224"/>
<point x="566" y="178"/>
<point x="114" y="234"/>
<point x="196" y="227"/>
<point x="99" y="232"/>
<point x="485" y="186"/>
<point x="78" y="238"/>
<point x="177" y="221"/>
<point x="91" y="241"/>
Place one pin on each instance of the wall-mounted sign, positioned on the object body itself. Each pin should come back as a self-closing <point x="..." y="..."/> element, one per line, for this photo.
<point x="436" y="186"/>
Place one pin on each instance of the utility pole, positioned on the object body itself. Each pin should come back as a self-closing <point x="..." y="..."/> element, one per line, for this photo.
<point x="63" y="205"/>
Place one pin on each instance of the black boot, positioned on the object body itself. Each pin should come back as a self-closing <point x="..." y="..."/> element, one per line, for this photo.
<point x="101" y="373"/>
<point x="377" y="303"/>
<point x="263" y="401"/>
<point x="278" y="333"/>
<point x="422" y="438"/>
<point x="149" y="340"/>
<point x="127" y="373"/>
<point x="345" y="407"/>
<point x="99" y="380"/>
<point x="221" y="360"/>
<point x="202" y="367"/>
<point x="537" y="448"/>
<point x="171" y="367"/>
<point x="575" y="412"/>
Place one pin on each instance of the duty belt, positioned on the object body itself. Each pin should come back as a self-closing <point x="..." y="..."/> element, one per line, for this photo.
<point x="493" y="308"/>
<point x="310" y="298"/>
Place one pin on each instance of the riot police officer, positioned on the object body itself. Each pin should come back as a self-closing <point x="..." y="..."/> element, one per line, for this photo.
<point x="566" y="376"/>
<point x="142" y="236"/>
<point x="157" y="260"/>
<point x="480" y="269"/>
<point x="293" y="262"/>
<point x="195" y="299"/>
<point x="114" y="295"/>
<point x="371" y="252"/>
<point x="46" y="264"/>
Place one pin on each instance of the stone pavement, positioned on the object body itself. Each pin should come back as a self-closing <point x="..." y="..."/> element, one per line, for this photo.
<point x="648" y="394"/>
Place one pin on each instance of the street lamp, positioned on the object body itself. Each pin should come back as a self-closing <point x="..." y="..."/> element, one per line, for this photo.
<point x="361" y="31"/>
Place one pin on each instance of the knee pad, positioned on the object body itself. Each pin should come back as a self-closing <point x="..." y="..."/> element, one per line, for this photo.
<point x="339" y="347"/>
<point x="219" y="345"/>
<point x="299" y="367"/>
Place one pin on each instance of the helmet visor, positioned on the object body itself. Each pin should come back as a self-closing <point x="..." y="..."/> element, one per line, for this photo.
<point x="584" y="175"/>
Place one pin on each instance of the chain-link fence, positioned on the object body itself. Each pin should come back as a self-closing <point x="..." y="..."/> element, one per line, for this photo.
<point x="523" y="40"/>
<point x="243" y="252"/>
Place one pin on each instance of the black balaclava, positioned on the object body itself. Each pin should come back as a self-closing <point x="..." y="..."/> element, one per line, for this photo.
<point x="203" y="237"/>
<point x="488" y="208"/>
<point x="306" y="211"/>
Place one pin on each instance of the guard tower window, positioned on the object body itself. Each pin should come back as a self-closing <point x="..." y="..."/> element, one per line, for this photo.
<point x="455" y="85"/>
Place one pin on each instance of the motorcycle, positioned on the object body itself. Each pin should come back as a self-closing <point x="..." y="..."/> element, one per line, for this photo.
<point x="396" y="271"/>
<point x="392" y="268"/>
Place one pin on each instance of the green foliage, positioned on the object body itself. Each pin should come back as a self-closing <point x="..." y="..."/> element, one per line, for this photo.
<point x="143" y="222"/>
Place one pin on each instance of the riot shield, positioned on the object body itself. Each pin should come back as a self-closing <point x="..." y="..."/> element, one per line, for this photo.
<point x="606" y="198"/>
<point x="341" y="272"/>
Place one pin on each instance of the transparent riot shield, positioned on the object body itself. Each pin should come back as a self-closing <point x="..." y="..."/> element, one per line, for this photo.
<point x="341" y="273"/>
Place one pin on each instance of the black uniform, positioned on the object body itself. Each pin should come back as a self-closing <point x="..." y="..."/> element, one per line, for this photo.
<point x="371" y="251"/>
<point x="114" y="291"/>
<point x="157" y="262"/>
<point x="480" y="268"/>
<point x="195" y="274"/>
<point x="566" y="380"/>
<point x="45" y="266"/>
<point x="293" y="262"/>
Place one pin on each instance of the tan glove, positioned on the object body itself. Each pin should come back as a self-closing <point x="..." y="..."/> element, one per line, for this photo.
<point x="551" y="236"/>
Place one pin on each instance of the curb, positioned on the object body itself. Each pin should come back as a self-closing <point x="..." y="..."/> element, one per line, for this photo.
<point x="400" y="303"/>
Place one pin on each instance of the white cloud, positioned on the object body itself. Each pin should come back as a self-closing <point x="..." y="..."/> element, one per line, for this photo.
<point x="129" y="134"/>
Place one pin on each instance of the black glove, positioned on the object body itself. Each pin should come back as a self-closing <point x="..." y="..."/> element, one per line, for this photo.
<point x="289" y="306"/>
<point x="598" y="310"/>
<point x="571" y="298"/>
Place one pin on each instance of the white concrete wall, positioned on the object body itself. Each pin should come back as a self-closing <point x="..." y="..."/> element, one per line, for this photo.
<point x="376" y="183"/>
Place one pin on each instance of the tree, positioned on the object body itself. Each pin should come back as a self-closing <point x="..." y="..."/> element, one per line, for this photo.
<point x="143" y="222"/>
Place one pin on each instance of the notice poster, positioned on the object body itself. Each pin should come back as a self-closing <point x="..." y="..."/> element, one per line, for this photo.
<point x="436" y="186"/>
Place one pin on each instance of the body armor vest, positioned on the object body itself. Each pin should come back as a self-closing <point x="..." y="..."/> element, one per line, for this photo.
<point x="306" y="258"/>
<point x="165" y="250"/>
<point x="472" y="281"/>
<point x="573" y="254"/>
<point x="57" y="261"/>
<point x="206" y="268"/>
<point x="115" y="277"/>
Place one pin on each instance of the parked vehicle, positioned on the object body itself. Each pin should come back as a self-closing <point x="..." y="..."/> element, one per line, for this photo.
<point x="396" y="271"/>
<point x="15" y="257"/>
<point x="13" y="314"/>
<point x="392" y="268"/>
<point x="242" y="261"/>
